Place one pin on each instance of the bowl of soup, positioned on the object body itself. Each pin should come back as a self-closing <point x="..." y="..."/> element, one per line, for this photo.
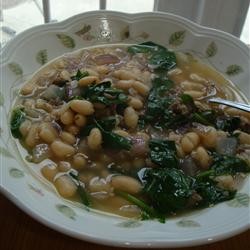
<point x="108" y="127"/>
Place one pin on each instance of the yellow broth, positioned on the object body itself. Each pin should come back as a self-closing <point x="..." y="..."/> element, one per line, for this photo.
<point x="53" y="125"/>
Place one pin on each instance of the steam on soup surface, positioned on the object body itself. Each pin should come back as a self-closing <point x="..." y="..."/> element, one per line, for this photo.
<point x="129" y="130"/>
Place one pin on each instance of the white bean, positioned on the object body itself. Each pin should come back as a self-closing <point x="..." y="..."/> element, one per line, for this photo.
<point x="32" y="137"/>
<point x="80" y="120"/>
<point x="82" y="107"/>
<point x="202" y="157"/>
<point x="49" y="171"/>
<point x="67" y="117"/>
<point x="61" y="149"/>
<point x="65" y="186"/>
<point x="130" y="117"/>
<point x="28" y="88"/>
<point x="124" y="75"/>
<point x="79" y="161"/>
<point x="95" y="139"/>
<point x="87" y="80"/>
<point x="25" y="127"/>
<point x="126" y="183"/>
<point x="135" y="103"/>
<point x="141" y="88"/>
<point x="189" y="142"/>
<point x="124" y="84"/>
<point x="47" y="132"/>
<point x="68" y="137"/>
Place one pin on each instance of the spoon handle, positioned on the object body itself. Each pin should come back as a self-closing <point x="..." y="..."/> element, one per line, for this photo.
<point x="237" y="105"/>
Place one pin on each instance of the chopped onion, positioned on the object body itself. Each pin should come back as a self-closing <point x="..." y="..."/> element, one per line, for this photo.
<point x="226" y="145"/>
<point x="40" y="153"/>
<point x="139" y="146"/>
<point x="188" y="166"/>
<point x="53" y="92"/>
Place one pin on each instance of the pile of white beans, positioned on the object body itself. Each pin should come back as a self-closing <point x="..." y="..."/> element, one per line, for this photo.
<point x="61" y="124"/>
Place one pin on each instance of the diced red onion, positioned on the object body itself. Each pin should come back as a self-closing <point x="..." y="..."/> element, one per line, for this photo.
<point x="106" y="59"/>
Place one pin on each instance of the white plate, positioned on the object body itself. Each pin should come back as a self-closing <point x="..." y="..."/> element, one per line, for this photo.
<point x="32" y="48"/>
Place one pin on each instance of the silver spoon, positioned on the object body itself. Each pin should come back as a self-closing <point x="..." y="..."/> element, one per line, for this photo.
<point x="237" y="105"/>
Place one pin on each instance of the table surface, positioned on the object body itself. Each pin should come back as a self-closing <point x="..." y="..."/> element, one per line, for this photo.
<point x="19" y="231"/>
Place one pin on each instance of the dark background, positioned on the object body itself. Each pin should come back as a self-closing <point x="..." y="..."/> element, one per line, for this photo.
<point x="18" y="231"/>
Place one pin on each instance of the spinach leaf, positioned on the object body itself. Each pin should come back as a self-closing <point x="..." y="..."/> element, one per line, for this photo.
<point x="81" y="190"/>
<point x="146" y="47"/>
<point x="158" y="101"/>
<point x="148" y="211"/>
<point x="17" y="118"/>
<point x="217" y="120"/>
<point x="163" y="60"/>
<point x="225" y="165"/>
<point x="79" y="75"/>
<point x="163" y="153"/>
<point x="212" y="194"/>
<point x="110" y="139"/>
<point x="160" y="58"/>
<point x="104" y="93"/>
<point x="107" y="123"/>
<point x="227" y="123"/>
<point x="168" y="189"/>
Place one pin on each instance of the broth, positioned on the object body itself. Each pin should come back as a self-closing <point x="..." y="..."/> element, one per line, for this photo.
<point x="88" y="113"/>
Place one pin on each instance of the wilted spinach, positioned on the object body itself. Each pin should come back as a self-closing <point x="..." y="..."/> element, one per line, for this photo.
<point x="104" y="93"/>
<point x="110" y="139"/>
<point x="225" y="165"/>
<point x="81" y="190"/>
<point x="17" y="118"/>
<point x="211" y="194"/>
<point x="163" y="153"/>
<point x="160" y="58"/>
<point x="79" y="75"/>
<point x="168" y="189"/>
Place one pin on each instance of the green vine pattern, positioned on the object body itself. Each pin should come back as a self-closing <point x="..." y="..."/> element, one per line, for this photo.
<point x="233" y="70"/>
<point x="240" y="200"/>
<point x="5" y="151"/>
<point x="66" y="40"/>
<point x="211" y="49"/>
<point x="177" y="38"/>
<point x="42" y="56"/>
<point x="85" y="33"/>
<point x="188" y="223"/>
<point x="1" y="99"/>
<point x="66" y="211"/>
<point x="129" y="224"/>
<point x="16" y="173"/>
<point x="15" y="68"/>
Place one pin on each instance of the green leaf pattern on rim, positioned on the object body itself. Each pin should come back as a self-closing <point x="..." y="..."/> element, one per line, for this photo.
<point x="234" y="69"/>
<point x="177" y="38"/>
<point x="129" y="224"/>
<point x="66" y="211"/>
<point x="42" y="56"/>
<point x="1" y="99"/>
<point x="125" y="33"/>
<point x="66" y="40"/>
<point x="5" y="152"/>
<point x="211" y="49"/>
<point x="187" y="223"/>
<point x="85" y="29"/>
<point x="16" y="173"/>
<point x="15" y="68"/>
<point x="240" y="200"/>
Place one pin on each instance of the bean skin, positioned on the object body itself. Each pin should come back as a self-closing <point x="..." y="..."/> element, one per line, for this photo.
<point x="82" y="107"/>
<point x="126" y="183"/>
<point x="61" y="149"/>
